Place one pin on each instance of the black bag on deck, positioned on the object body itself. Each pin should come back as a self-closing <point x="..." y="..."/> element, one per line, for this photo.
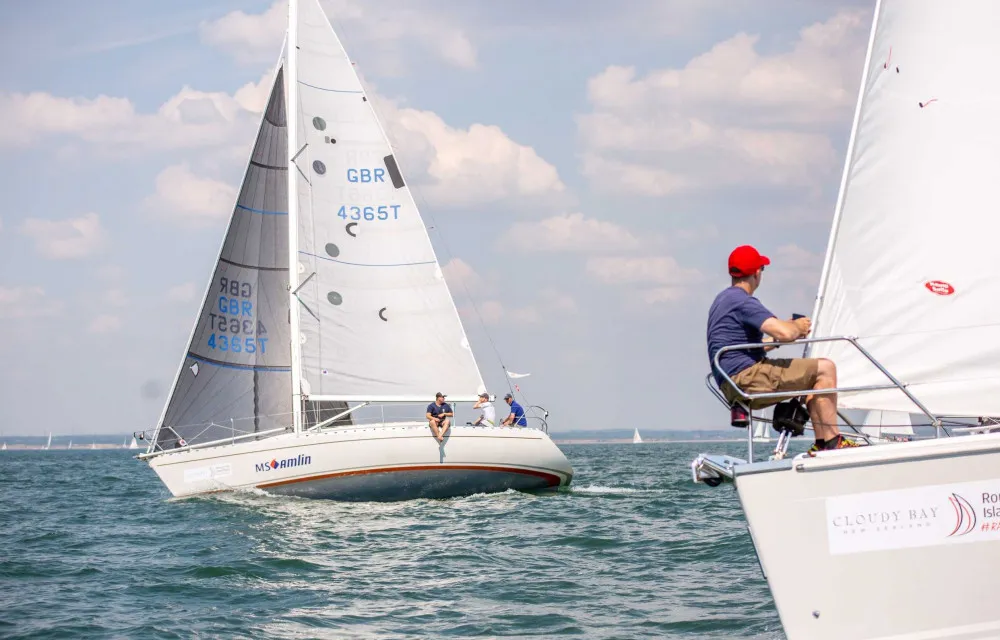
<point x="791" y="416"/>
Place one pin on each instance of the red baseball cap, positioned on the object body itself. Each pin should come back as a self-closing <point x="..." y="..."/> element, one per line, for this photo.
<point x="745" y="260"/>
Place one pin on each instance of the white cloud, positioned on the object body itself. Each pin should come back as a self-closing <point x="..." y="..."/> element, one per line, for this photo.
<point x="387" y="29"/>
<point x="115" y="298"/>
<point x="182" y="292"/>
<point x="188" y="119"/>
<point x="655" y="278"/>
<point x="26" y="302"/>
<point x="466" y="166"/>
<point x="66" y="239"/>
<point x="460" y="275"/>
<point x="791" y="264"/>
<point x="187" y="198"/>
<point x="731" y="116"/>
<point x="105" y="324"/>
<point x="248" y="37"/>
<point x="569" y="232"/>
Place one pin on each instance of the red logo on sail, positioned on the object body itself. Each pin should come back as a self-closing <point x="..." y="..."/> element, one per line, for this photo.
<point x="939" y="287"/>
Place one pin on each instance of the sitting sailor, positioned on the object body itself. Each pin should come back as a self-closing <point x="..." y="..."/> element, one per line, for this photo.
<point x="737" y="317"/>
<point x="487" y="414"/>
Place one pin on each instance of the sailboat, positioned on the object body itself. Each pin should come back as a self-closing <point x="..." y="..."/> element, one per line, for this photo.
<point x="636" y="438"/>
<point x="4" y="447"/>
<point x="48" y="443"/>
<point x="93" y="445"/>
<point x="887" y="426"/>
<point x="134" y="444"/>
<point x="327" y="298"/>
<point x="761" y="431"/>
<point x="70" y="445"/>
<point x="851" y="539"/>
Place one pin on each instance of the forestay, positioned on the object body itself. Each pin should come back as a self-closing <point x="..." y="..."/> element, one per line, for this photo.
<point x="911" y="267"/>
<point x="237" y="364"/>
<point x="377" y="319"/>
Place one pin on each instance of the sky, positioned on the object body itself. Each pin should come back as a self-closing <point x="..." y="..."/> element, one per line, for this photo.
<point x="585" y="167"/>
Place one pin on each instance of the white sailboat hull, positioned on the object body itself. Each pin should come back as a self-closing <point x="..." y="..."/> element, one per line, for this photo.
<point x="899" y="541"/>
<point x="383" y="463"/>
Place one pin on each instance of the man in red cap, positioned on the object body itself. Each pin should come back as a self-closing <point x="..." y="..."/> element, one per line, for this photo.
<point x="737" y="317"/>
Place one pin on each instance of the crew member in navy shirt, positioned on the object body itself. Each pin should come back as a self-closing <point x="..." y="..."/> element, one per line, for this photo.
<point x="439" y="415"/>
<point x="516" y="413"/>
<point x="737" y="317"/>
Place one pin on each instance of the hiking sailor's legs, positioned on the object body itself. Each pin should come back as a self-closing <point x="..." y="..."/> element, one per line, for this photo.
<point x="823" y="407"/>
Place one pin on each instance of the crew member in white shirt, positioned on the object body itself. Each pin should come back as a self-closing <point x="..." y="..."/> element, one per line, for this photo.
<point x="488" y="415"/>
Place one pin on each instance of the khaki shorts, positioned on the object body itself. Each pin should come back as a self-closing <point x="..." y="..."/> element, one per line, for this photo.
<point x="768" y="376"/>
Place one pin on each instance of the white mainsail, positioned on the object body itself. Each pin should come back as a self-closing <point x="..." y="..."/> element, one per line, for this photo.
<point x="910" y="267"/>
<point x="134" y="444"/>
<point x="4" y="447"/>
<point x="636" y="438"/>
<point x="377" y="319"/>
<point x="48" y="443"/>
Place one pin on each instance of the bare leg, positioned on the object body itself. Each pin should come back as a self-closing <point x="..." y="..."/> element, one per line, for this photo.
<point x="823" y="408"/>
<point x="445" y="425"/>
<point x="437" y="432"/>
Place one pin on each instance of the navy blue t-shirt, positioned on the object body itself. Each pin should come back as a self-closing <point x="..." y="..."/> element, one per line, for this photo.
<point x="436" y="410"/>
<point x="735" y="318"/>
<point x="518" y="412"/>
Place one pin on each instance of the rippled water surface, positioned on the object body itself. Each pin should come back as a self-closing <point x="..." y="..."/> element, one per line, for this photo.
<point x="93" y="546"/>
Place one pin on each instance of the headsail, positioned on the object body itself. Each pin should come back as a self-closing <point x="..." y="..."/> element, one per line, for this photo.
<point x="377" y="319"/>
<point x="911" y="265"/>
<point x="237" y="365"/>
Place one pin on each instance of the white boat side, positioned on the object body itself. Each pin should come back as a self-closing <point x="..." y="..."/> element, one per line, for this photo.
<point x="875" y="512"/>
<point x="372" y="463"/>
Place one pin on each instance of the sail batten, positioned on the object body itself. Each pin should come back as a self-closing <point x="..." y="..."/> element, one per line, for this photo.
<point x="910" y="265"/>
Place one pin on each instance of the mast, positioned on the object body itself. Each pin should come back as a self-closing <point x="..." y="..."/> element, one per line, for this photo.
<point x="291" y="122"/>
<point x="838" y="209"/>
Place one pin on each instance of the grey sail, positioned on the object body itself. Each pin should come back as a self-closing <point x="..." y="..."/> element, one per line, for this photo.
<point x="237" y="369"/>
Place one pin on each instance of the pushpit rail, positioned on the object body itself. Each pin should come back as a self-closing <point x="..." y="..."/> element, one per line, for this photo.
<point x="714" y="469"/>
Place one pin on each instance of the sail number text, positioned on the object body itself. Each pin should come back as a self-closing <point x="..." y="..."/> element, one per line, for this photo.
<point x="233" y="319"/>
<point x="381" y="212"/>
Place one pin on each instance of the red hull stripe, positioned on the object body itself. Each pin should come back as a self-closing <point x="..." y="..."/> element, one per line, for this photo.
<point x="552" y="479"/>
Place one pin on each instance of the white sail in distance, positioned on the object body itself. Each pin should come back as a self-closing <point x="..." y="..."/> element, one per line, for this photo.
<point x="910" y="267"/>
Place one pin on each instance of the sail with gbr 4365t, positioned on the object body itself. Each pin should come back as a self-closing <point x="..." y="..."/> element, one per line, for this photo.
<point x="327" y="298"/>
<point x="901" y="540"/>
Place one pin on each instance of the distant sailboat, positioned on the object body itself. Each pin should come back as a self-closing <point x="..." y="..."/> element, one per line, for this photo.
<point x="4" y="447"/>
<point x="887" y="426"/>
<point x="93" y="445"/>
<point x="134" y="445"/>
<point x="761" y="433"/>
<point x="125" y="443"/>
<point x="70" y="445"/>
<point x="49" y="443"/>
<point x="636" y="438"/>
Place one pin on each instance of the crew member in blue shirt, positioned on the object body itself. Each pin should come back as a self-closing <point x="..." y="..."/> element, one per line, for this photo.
<point x="439" y="415"/>
<point x="516" y="413"/>
<point x="737" y="317"/>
